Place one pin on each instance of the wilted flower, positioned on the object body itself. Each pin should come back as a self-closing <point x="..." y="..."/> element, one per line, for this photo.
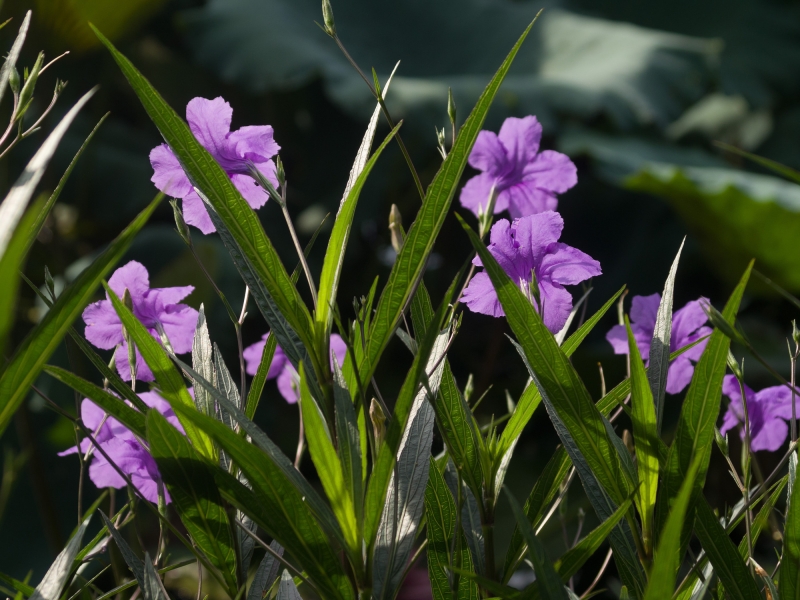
<point x="151" y="306"/>
<point x="688" y="325"/>
<point x="288" y="378"/>
<point x="123" y="448"/>
<point x="767" y="411"/>
<point x="526" y="181"/>
<point x="210" y="122"/>
<point x="529" y="246"/>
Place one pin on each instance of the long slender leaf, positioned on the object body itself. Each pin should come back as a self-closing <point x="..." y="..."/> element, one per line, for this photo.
<point x="266" y="573"/>
<point x="169" y="380"/>
<point x="55" y="579"/>
<point x="728" y="565"/>
<point x="660" y="345"/>
<point x="548" y="581"/>
<point x="667" y="557"/>
<point x="134" y="563"/>
<point x="276" y="504"/>
<point x="411" y="260"/>
<point x="789" y="577"/>
<point x="645" y="435"/>
<point x="578" y="422"/>
<point x="13" y="54"/>
<point x="329" y="467"/>
<point x="191" y="484"/>
<point x="471" y="524"/>
<point x="287" y="590"/>
<point x="405" y="500"/>
<point x="695" y="432"/>
<point x="13" y="207"/>
<point x="36" y="349"/>
<point x="257" y="385"/>
<point x="349" y="444"/>
<point x="228" y="204"/>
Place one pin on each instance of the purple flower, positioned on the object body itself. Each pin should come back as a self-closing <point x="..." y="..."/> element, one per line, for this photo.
<point x="525" y="179"/>
<point x="151" y="306"/>
<point x="123" y="448"/>
<point x="767" y="410"/>
<point x="288" y="378"/>
<point x="530" y="245"/>
<point x="688" y="325"/>
<point x="210" y="122"/>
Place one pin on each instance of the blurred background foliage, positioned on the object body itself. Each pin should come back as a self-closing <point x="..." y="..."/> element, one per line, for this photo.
<point x="635" y="92"/>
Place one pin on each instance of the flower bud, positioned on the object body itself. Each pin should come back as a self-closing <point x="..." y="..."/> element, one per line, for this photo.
<point x="280" y="173"/>
<point x="396" y="228"/>
<point x="13" y="80"/>
<point x="795" y="334"/>
<point x="327" y="17"/>
<point x="180" y="224"/>
<point x="734" y="366"/>
<point x="722" y="442"/>
<point x="451" y="107"/>
<point x="469" y="388"/>
<point x="378" y="421"/>
<point x="718" y="321"/>
<point x="30" y="85"/>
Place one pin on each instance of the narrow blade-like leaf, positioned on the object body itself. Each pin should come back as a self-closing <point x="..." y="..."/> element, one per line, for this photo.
<point x="55" y="579"/>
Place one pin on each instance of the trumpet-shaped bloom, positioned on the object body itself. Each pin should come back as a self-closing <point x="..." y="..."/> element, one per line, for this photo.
<point x="123" y="448"/>
<point x="529" y="246"/>
<point x="767" y="411"/>
<point x="210" y="122"/>
<point x="526" y="181"/>
<point x="688" y="325"/>
<point x="151" y="306"/>
<point x="288" y="378"/>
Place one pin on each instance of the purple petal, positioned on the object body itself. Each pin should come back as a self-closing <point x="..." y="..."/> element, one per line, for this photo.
<point x="338" y="349"/>
<point x="103" y="327"/>
<point x="172" y="295"/>
<point x="730" y="388"/>
<point x="525" y="199"/>
<point x="168" y="175"/>
<point x="505" y="251"/>
<point x="195" y="213"/>
<point x="679" y="375"/>
<point x="778" y="401"/>
<point x="644" y="310"/>
<point x="288" y="384"/>
<point x="252" y="357"/>
<point x="535" y="233"/>
<point x="557" y="305"/>
<point x="771" y="436"/>
<point x="521" y="138"/>
<point x="567" y="265"/>
<point x="92" y="415"/>
<point x="179" y="323"/>
<point x="475" y="194"/>
<point x="155" y="400"/>
<point x="133" y="277"/>
<point x="255" y="195"/>
<point x="254" y="142"/>
<point x="143" y="372"/>
<point x="551" y="171"/>
<point x="617" y="336"/>
<point x="687" y="320"/>
<point x="729" y="421"/>
<point x="101" y="473"/>
<point x="210" y="122"/>
<point x="480" y="297"/>
<point x="696" y="351"/>
<point x="488" y="154"/>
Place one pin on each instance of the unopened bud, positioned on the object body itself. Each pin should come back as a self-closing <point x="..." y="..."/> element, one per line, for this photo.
<point x="396" y="228"/>
<point x="451" y="107"/>
<point x="510" y="404"/>
<point x="627" y="439"/>
<point x="13" y="80"/>
<point x="795" y="334"/>
<point x="469" y="387"/>
<point x="718" y="321"/>
<point x="180" y="224"/>
<point x="722" y="441"/>
<point x="327" y="17"/>
<point x="29" y="86"/>
<point x="280" y="173"/>
<point x="378" y="421"/>
<point x="734" y="366"/>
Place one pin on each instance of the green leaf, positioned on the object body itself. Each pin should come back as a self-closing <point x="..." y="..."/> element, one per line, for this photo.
<point x="11" y="263"/>
<point x="134" y="563"/>
<point x="441" y="513"/>
<point x="349" y="449"/>
<point x="57" y="575"/>
<point x="411" y="260"/>
<point x="40" y="343"/>
<point x="132" y="419"/>
<point x="337" y="245"/>
<point x="228" y="204"/>
<point x="548" y="581"/>
<point x="667" y="555"/>
<point x="257" y="385"/>
<point x="13" y="55"/>
<point x="287" y="590"/>
<point x="170" y="383"/>
<point x="276" y="504"/>
<point x="328" y="465"/>
<point x="728" y="564"/>
<point x="645" y="435"/>
<point x="695" y="432"/>
<point x="789" y="577"/>
<point x="16" y="201"/>
<point x="660" y="344"/>
<point x="195" y="496"/>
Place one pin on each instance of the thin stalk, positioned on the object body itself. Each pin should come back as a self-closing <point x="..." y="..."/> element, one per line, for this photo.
<point x="239" y="323"/>
<point x="599" y="574"/>
<point x="386" y="114"/>
<point x="748" y="515"/>
<point x="297" y="246"/>
<point x="793" y="362"/>
<point x="301" y="440"/>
